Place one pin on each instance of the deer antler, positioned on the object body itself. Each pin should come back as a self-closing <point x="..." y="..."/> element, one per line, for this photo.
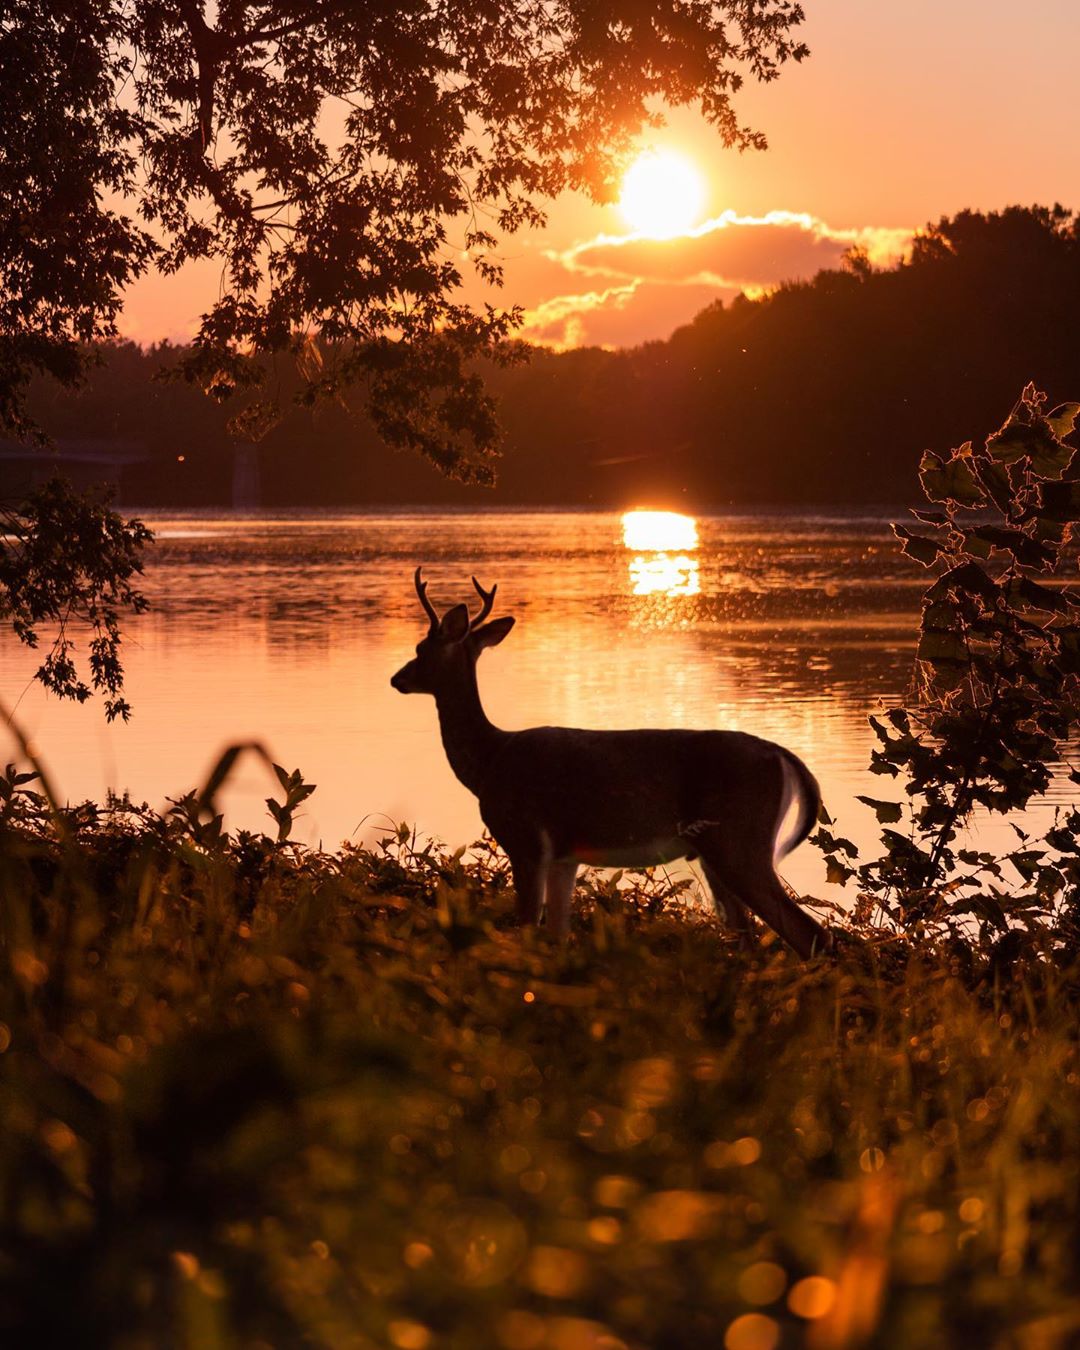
<point x="429" y="608"/>
<point x="488" y="597"/>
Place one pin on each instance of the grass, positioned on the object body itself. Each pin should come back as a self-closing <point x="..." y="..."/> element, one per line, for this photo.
<point x="252" y="1096"/>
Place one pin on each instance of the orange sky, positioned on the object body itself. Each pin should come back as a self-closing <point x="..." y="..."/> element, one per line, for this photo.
<point x="902" y="113"/>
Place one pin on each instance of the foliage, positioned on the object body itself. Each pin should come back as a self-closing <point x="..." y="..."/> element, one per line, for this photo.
<point x="67" y="249"/>
<point x="68" y="561"/>
<point x="250" y="1093"/>
<point x="339" y="160"/>
<point x="997" y="690"/>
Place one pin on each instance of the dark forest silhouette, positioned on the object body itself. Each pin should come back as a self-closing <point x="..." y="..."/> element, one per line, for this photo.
<point x="824" y="390"/>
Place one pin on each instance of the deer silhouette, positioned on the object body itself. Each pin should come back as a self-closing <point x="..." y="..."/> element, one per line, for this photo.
<point x="557" y="798"/>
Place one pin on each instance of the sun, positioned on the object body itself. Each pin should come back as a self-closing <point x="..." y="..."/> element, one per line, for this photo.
<point x="659" y="530"/>
<point x="662" y="194"/>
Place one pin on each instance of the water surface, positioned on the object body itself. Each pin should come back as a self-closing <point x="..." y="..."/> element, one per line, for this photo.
<point x="286" y="628"/>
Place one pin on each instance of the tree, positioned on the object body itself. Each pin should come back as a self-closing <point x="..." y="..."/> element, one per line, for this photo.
<point x="342" y="159"/>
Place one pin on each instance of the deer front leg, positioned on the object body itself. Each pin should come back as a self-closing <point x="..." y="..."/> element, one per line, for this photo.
<point x="530" y="881"/>
<point x="560" y="890"/>
<point x="528" y="847"/>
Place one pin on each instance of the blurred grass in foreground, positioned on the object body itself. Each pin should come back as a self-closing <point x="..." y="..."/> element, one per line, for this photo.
<point x="252" y="1096"/>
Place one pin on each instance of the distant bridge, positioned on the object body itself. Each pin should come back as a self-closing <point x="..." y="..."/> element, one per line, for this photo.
<point x="100" y="462"/>
<point x="84" y="463"/>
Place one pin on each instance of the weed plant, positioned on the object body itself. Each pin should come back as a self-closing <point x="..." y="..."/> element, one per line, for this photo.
<point x="252" y="1095"/>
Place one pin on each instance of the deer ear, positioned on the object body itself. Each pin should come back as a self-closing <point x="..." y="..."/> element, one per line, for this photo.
<point x="455" y="623"/>
<point x="493" y="633"/>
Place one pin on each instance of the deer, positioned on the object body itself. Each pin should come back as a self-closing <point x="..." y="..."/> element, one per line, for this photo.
<point x="559" y="798"/>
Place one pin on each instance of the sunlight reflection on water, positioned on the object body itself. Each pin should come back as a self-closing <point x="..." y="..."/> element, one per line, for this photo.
<point x="660" y="571"/>
<point x="665" y="574"/>
<point x="286" y="628"/>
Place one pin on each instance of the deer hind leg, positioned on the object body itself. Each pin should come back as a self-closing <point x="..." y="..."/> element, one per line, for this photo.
<point x="735" y="912"/>
<point x="746" y="866"/>
<point x="561" y="876"/>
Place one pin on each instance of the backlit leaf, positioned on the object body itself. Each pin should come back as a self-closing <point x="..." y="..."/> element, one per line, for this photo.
<point x="888" y="813"/>
<point x="1063" y="419"/>
<point x="939" y="646"/>
<point x="918" y="546"/>
<point x="951" y="480"/>
<point x="1060" y="501"/>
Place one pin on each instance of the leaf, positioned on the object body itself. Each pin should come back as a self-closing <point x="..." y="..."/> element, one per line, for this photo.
<point x="987" y="907"/>
<point x="1026" y="550"/>
<point x="1027" y="434"/>
<point x="1063" y="419"/>
<point x="888" y="813"/>
<point x="1052" y="460"/>
<point x="836" y="873"/>
<point x="1063" y="840"/>
<point x="1048" y="599"/>
<point x="1055" y="532"/>
<point x="879" y="730"/>
<point x="995" y="479"/>
<point x="951" y="480"/>
<point x="918" y="546"/>
<point x="1026" y="861"/>
<point x="938" y="646"/>
<point x="975" y="544"/>
<point x="968" y="578"/>
<point x="1069" y="660"/>
<point x="1015" y="440"/>
<point x="1060" y="501"/>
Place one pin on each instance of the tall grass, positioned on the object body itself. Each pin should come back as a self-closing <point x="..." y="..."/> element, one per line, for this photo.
<point x="256" y="1096"/>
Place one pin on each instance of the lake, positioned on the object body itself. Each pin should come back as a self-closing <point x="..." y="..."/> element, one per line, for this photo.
<point x="286" y="628"/>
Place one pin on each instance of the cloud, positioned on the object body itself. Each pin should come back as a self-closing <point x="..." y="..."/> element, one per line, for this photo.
<point x="619" y="316"/>
<point x="734" y="252"/>
<point x="560" y="321"/>
<point x="644" y="288"/>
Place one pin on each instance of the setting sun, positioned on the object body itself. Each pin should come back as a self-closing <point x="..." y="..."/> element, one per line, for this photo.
<point x="662" y="194"/>
<point x="659" y="530"/>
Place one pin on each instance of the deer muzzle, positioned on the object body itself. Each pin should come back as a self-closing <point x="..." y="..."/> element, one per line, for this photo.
<point x="405" y="681"/>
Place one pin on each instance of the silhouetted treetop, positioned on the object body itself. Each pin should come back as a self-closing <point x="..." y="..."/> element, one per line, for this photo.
<point x="343" y="160"/>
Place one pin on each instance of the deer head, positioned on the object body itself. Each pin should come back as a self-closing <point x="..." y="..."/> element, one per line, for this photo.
<point x="452" y="645"/>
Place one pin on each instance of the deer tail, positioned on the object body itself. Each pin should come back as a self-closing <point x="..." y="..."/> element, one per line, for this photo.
<point x="800" y="786"/>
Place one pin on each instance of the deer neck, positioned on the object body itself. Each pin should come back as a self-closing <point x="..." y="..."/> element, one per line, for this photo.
<point x="469" y="739"/>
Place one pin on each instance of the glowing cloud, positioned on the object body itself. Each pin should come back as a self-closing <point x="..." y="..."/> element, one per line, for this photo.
<point x="559" y="323"/>
<point x="733" y="251"/>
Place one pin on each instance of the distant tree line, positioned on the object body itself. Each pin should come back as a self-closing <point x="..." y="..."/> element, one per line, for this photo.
<point x="823" y="390"/>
